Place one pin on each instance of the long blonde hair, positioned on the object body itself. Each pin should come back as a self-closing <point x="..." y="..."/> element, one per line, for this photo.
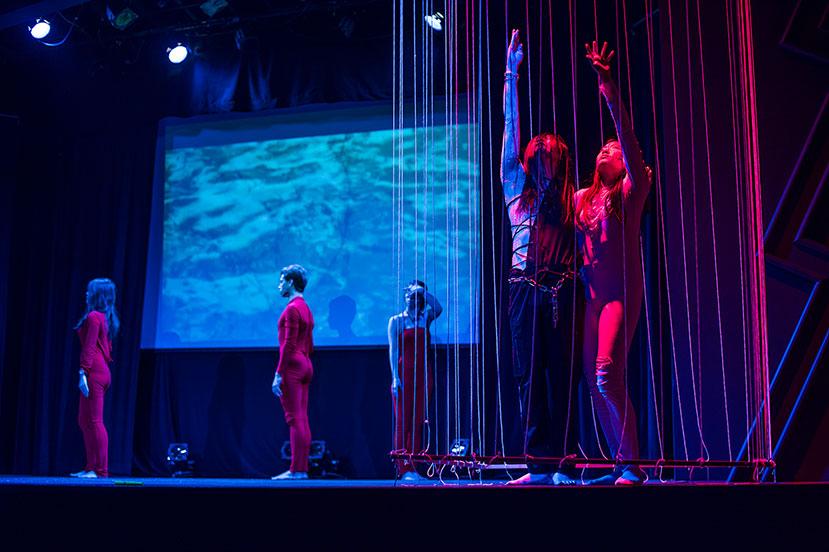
<point x="614" y="199"/>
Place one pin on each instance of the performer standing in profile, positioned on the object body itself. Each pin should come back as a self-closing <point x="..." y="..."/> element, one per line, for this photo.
<point x="539" y="200"/>
<point x="608" y="215"/>
<point x="294" y="372"/>
<point x="96" y="329"/>
<point x="411" y="371"/>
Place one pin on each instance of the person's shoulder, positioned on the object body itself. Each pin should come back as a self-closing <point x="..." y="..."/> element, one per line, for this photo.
<point x="96" y="316"/>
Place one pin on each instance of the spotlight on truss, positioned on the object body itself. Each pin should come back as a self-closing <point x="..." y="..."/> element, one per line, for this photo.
<point x="435" y="21"/>
<point x="120" y="15"/>
<point x="40" y="29"/>
<point x="212" y="7"/>
<point x="177" y="53"/>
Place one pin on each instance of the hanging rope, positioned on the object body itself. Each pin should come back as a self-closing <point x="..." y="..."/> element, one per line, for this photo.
<point x="714" y="248"/>
<point x="460" y="408"/>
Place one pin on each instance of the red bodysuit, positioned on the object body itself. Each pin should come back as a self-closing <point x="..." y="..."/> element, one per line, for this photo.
<point x="414" y="367"/>
<point x="96" y="354"/>
<point x="296" y="343"/>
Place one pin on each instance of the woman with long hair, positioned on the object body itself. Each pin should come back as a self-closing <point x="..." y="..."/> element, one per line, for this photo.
<point x="96" y="330"/>
<point x="538" y="194"/>
<point x="411" y="371"/>
<point x="608" y="215"/>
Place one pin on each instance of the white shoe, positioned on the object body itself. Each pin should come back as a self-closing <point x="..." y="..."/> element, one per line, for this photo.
<point x="88" y="475"/>
<point x="412" y="477"/>
<point x="290" y="475"/>
<point x="77" y="474"/>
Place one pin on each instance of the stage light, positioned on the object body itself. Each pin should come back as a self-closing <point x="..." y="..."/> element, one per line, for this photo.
<point x="177" y="53"/>
<point x="40" y="29"/>
<point x="460" y="447"/>
<point x="178" y="460"/>
<point x="212" y="7"/>
<point x="120" y="15"/>
<point x="435" y="21"/>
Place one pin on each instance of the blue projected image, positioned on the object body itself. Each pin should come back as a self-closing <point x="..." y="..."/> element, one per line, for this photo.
<point x="245" y="196"/>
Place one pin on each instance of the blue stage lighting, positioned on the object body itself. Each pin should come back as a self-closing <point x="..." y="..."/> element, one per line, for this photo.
<point x="177" y="53"/>
<point x="40" y="29"/>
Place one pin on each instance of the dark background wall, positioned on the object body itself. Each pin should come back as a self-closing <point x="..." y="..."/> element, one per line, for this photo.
<point x="792" y="95"/>
<point x="76" y="205"/>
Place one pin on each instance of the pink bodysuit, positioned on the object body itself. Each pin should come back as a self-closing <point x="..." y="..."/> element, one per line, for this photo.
<point x="612" y="275"/>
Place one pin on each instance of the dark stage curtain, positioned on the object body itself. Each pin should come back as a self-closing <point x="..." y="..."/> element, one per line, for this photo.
<point x="79" y="213"/>
<point x="221" y="404"/>
<point x="80" y="208"/>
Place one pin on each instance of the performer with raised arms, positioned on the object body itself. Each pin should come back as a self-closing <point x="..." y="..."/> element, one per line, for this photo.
<point x="608" y="215"/>
<point x="539" y="199"/>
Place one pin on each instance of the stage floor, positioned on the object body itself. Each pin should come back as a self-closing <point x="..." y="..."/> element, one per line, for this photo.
<point x="128" y="513"/>
<point x="248" y="483"/>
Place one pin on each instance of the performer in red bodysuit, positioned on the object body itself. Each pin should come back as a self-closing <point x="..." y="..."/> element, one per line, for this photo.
<point x="411" y="371"/>
<point x="608" y="215"/>
<point x="294" y="373"/>
<point x="95" y="329"/>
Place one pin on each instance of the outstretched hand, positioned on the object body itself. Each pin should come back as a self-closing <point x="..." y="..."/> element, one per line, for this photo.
<point x="600" y="59"/>
<point x="515" y="52"/>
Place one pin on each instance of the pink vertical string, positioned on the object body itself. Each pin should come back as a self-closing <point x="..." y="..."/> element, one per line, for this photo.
<point x="664" y="242"/>
<point x="552" y="66"/>
<point x="598" y="94"/>
<point x="682" y="222"/>
<point x="732" y="63"/>
<point x="695" y="226"/>
<point x="529" y="64"/>
<point x="657" y="191"/>
<point x="759" y="256"/>
<point x="713" y="233"/>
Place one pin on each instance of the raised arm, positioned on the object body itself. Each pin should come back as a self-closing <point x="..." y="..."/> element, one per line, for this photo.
<point x="512" y="174"/>
<point x="435" y="308"/>
<point x="394" y="353"/>
<point x="632" y="153"/>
